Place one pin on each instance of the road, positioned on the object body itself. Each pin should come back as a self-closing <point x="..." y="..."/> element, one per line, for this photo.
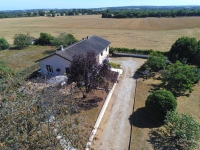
<point x="114" y="129"/>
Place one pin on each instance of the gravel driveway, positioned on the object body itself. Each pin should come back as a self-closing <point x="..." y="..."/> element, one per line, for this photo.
<point x="114" y="129"/>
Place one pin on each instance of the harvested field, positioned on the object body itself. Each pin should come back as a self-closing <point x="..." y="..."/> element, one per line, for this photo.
<point x="140" y="33"/>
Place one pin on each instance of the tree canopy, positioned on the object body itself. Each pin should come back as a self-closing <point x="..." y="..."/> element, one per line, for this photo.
<point x="22" y="40"/>
<point x="64" y="39"/>
<point x="183" y="130"/>
<point x="179" y="77"/>
<point x="185" y="49"/>
<point x="3" y="43"/>
<point x="156" y="61"/>
<point x="159" y="102"/>
<point x="45" y="39"/>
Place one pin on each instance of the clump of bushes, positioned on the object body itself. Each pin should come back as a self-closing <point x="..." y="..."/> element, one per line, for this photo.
<point x="3" y="43"/>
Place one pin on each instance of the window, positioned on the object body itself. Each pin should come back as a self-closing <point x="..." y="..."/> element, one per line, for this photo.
<point x="101" y="53"/>
<point x="106" y="49"/>
<point x="49" y="68"/>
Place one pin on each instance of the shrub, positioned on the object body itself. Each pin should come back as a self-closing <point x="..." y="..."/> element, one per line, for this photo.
<point x="156" y="61"/>
<point x="3" y="43"/>
<point x="45" y="39"/>
<point x="22" y="40"/>
<point x="64" y="39"/>
<point x="159" y="103"/>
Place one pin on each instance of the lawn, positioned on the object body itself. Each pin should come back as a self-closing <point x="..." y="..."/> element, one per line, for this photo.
<point x="20" y="59"/>
<point x="142" y="124"/>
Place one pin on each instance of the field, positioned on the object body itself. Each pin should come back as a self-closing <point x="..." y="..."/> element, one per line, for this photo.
<point x="142" y="124"/>
<point x="140" y="33"/>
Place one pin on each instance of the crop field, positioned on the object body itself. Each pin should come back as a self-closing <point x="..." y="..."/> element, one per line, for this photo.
<point x="140" y="33"/>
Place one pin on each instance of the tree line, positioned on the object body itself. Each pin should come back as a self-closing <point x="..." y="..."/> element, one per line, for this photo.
<point x="150" y="13"/>
<point x="24" y="40"/>
<point x="50" y="13"/>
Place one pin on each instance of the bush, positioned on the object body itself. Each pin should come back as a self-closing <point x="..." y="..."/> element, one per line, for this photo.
<point x="3" y="43"/>
<point x="156" y="61"/>
<point x="22" y="40"/>
<point x="159" y="103"/>
<point x="64" y="39"/>
<point x="45" y="39"/>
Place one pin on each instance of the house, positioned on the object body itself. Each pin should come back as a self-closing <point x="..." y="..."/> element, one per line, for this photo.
<point x="59" y="62"/>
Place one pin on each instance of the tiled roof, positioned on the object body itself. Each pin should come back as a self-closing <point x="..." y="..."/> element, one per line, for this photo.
<point x="93" y="43"/>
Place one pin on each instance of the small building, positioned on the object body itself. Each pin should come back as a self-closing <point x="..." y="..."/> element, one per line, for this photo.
<point x="58" y="63"/>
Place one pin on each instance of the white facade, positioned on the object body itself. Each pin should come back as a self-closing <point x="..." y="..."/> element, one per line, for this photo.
<point x="103" y="55"/>
<point x="57" y="64"/>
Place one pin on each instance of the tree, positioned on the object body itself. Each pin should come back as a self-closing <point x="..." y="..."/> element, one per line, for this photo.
<point x="159" y="102"/>
<point x="179" y="78"/>
<point x="156" y="61"/>
<point x="185" y="50"/>
<point x="86" y="71"/>
<point x="3" y="43"/>
<point x="183" y="130"/>
<point x="45" y="39"/>
<point x="35" y="117"/>
<point x="41" y="13"/>
<point x="22" y="40"/>
<point x="64" y="39"/>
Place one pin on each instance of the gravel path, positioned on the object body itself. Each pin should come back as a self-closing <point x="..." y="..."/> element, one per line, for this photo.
<point x="114" y="129"/>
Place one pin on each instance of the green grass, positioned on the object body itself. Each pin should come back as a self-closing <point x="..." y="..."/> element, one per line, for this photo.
<point x="21" y="59"/>
<point x="115" y="65"/>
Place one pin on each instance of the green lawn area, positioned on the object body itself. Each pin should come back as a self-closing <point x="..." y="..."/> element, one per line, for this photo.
<point x="21" y="59"/>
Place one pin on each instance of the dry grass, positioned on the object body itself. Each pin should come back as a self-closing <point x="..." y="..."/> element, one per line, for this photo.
<point x="143" y="125"/>
<point x="20" y="59"/>
<point x="142" y="33"/>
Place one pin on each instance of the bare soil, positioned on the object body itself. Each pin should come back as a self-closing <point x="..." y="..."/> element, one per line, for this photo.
<point x="115" y="127"/>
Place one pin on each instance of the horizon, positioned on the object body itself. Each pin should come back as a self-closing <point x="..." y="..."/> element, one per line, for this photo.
<point x="78" y="4"/>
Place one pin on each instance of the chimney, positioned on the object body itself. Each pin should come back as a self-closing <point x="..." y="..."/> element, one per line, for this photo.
<point x="87" y="37"/>
<point x="61" y="47"/>
<point x="83" y="38"/>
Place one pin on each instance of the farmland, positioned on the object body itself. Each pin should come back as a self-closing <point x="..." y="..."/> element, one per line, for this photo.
<point x="140" y="33"/>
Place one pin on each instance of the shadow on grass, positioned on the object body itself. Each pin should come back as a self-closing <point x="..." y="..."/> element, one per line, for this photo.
<point x="161" y="141"/>
<point x="48" y="52"/>
<point x="90" y="103"/>
<point x="141" y="120"/>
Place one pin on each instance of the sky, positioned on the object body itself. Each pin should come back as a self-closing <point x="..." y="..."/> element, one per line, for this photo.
<point x="51" y="4"/>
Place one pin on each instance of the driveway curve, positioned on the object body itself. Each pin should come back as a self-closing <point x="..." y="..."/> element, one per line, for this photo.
<point x="115" y="127"/>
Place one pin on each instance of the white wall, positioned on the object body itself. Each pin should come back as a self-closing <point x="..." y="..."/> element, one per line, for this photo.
<point x="104" y="56"/>
<point x="56" y="62"/>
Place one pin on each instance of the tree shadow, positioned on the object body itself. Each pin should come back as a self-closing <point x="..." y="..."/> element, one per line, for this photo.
<point x="141" y="120"/>
<point x="48" y="52"/>
<point x="90" y="103"/>
<point x="161" y="141"/>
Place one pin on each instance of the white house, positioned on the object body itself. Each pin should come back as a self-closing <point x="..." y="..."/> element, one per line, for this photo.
<point x="59" y="62"/>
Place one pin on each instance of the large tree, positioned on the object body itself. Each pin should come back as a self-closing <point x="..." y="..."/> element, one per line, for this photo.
<point x="179" y="77"/>
<point x="22" y="40"/>
<point x="34" y="117"/>
<point x="159" y="103"/>
<point x="86" y="71"/>
<point x="64" y="39"/>
<point x="3" y="43"/>
<point x="185" y="50"/>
